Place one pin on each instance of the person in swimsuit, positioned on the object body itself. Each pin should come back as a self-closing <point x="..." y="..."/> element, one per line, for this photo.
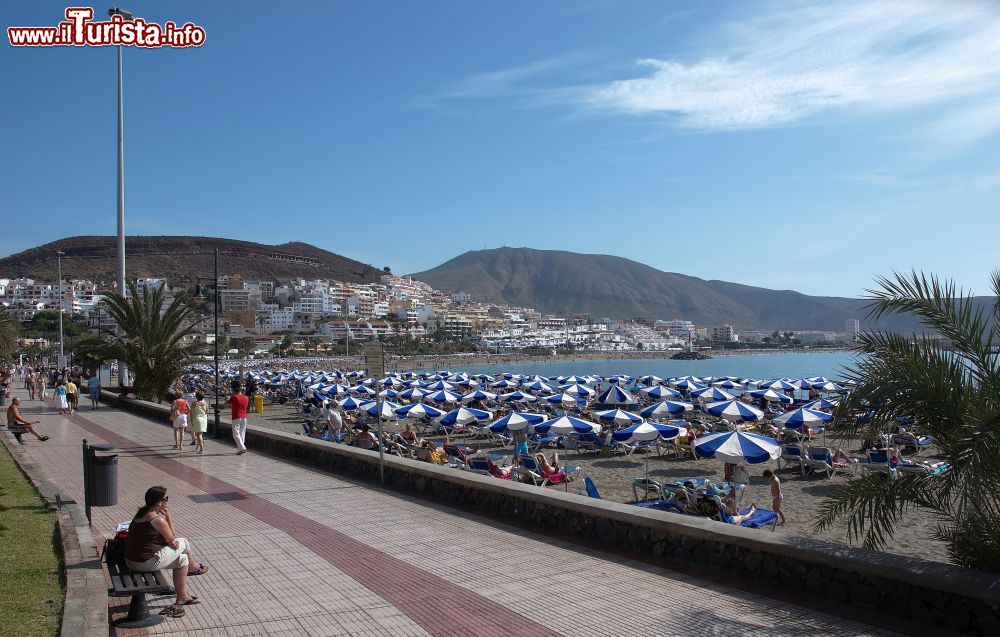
<point x="776" y="495"/>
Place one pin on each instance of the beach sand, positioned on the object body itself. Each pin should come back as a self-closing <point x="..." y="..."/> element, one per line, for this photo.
<point x="613" y="477"/>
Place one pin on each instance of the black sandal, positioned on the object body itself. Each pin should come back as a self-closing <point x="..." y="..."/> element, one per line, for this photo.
<point x="173" y="611"/>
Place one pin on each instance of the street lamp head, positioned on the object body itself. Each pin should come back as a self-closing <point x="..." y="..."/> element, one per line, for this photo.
<point x="124" y="13"/>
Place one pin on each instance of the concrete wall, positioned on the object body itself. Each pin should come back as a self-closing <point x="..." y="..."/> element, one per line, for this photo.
<point x="931" y="593"/>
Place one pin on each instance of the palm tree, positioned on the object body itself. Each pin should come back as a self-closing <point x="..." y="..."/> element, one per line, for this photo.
<point x="951" y="387"/>
<point x="151" y="339"/>
<point x="9" y="329"/>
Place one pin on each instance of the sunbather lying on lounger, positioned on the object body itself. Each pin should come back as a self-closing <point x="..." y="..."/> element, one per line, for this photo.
<point x="740" y="519"/>
<point x="548" y="468"/>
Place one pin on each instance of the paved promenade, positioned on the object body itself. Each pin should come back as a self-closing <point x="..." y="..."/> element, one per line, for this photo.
<point x="295" y="551"/>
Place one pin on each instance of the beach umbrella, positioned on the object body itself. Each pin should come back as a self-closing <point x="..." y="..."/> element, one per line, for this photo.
<point x="647" y="432"/>
<point x="337" y="390"/>
<point x="388" y="409"/>
<point x="828" y="386"/>
<point x="734" y="410"/>
<point x="417" y="411"/>
<point x="465" y="416"/>
<point x="519" y="397"/>
<point x="483" y="378"/>
<point x="414" y="393"/>
<point x="516" y="421"/>
<point x="540" y="386"/>
<point x="390" y="381"/>
<point x="711" y="394"/>
<point x="618" y="417"/>
<point x="727" y="383"/>
<point x="771" y="395"/>
<point x="352" y="403"/>
<point x="660" y="391"/>
<point x="565" y="400"/>
<point x="505" y="384"/>
<point x="575" y="380"/>
<point x="666" y="408"/>
<point x="687" y="384"/>
<point x="443" y="396"/>
<point x="467" y="382"/>
<point x="361" y="390"/>
<point x="389" y="393"/>
<point x="803" y="416"/>
<point x="780" y="384"/>
<point x="577" y="390"/>
<point x="650" y="379"/>
<point x="478" y="395"/>
<point x="822" y="404"/>
<point x="616" y="396"/>
<point x="565" y="425"/>
<point x="737" y="447"/>
<point x="619" y="379"/>
<point x="441" y="385"/>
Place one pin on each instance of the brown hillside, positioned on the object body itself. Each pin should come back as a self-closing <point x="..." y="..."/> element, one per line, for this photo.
<point x="181" y="259"/>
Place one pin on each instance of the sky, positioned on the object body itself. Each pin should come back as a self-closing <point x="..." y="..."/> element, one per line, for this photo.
<point x="785" y="144"/>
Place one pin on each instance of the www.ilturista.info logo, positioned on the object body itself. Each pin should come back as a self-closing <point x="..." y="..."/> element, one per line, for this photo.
<point x="121" y="29"/>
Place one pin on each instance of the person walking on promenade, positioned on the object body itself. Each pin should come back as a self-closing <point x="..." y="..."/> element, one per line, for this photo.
<point x="40" y="385"/>
<point x="239" y="403"/>
<point x="14" y="418"/>
<point x="776" y="495"/>
<point x="152" y="545"/>
<point x="94" y="386"/>
<point x="199" y="421"/>
<point x="190" y="398"/>
<point x="178" y="416"/>
<point x="61" y="400"/>
<point x="29" y="384"/>
<point x="71" y="394"/>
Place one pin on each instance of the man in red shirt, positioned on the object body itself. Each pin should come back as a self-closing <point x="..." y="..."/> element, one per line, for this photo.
<point x="239" y="404"/>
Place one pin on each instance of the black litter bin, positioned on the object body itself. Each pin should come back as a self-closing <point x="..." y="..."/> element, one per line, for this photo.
<point x="104" y="481"/>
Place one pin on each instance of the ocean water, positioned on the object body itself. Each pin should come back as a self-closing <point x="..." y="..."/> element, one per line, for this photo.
<point x="755" y="366"/>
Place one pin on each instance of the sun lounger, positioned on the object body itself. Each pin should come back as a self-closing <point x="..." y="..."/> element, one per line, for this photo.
<point x="878" y="462"/>
<point x="760" y="518"/>
<point x="543" y="442"/>
<point x="792" y="454"/>
<point x="647" y="486"/>
<point x="662" y="505"/>
<point x="910" y="440"/>
<point x="591" y="488"/>
<point x="821" y="459"/>
<point x="586" y="442"/>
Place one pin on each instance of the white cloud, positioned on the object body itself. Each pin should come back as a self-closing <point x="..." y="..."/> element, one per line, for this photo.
<point x="802" y="63"/>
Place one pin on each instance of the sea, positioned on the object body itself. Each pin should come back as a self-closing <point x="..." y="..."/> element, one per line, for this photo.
<point x="833" y="365"/>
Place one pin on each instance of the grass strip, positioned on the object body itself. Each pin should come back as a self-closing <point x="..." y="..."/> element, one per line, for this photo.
<point x="32" y="587"/>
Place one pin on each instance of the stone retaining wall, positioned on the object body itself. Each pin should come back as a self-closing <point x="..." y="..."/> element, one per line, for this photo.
<point x="934" y="594"/>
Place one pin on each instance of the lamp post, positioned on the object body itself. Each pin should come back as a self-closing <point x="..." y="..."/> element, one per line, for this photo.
<point x="126" y="15"/>
<point x="215" y="315"/>
<point x="62" y="356"/>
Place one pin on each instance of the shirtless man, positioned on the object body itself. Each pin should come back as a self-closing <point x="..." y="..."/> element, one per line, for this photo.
<point x="14" y="418"/>
<point x="776" y="495"/>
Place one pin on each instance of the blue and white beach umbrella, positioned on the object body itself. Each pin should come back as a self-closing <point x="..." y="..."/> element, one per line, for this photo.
<point x="417" y="411"/>
<point x="713" y="394"/>
<point x="577" y="390"/>
<point x="388" y="409"/>
<point x="361" y="390"/>
<point x="647" y="431"/>
<point x="727" y="383"/>
<point x="539" y="385"/>
<point x="780" y="384"/>
<point x="618" y="417"/>
<point x="441" y="384"/>
<point x="443" y="396"/>
<point x="465" y="416"/>
<point x="822" y="404"/>
<point x="575" y="380"/>
<point x="565" y="400"/>
<point x="666" y="408"/>
<point x="734" y="410"/>
<point x="565" y="425"/>
<point x="687" y="384"/>
<point x="650" y="380"/>
<point x="414" y="393"/>
<point x="802" y="416"/>
<point x="737" y="447"/>
<point x="773" y="396"/>
<point x="516" y="421"/>
<point x="615" y="395"/>
<point x="478" y="395"/>
<point x="660" y="391"/>
<point x="518" y="397"/>
<point x="352" y="403"/>
<point x="505" y="384"/>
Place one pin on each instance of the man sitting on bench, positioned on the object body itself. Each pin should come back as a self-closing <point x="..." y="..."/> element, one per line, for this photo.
<point x="14" y="419"/>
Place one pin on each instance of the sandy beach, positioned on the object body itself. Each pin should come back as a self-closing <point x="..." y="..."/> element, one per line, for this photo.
<point x="613" y="477"/>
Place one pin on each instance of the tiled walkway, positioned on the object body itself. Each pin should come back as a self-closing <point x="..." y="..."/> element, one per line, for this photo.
<point x="294" y="551"/>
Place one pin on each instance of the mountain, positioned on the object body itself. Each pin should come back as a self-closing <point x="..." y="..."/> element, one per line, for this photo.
<point x="568" y="283"/>
<point x="181" y="259"/>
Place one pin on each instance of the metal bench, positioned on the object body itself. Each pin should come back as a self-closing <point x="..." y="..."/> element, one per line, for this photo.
<point x="125" y="583"/>
<point x="18" y="430"/>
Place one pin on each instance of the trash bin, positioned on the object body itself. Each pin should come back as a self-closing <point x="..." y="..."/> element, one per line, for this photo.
<point x="258" y="404"/>
<point x="104" y="481"/>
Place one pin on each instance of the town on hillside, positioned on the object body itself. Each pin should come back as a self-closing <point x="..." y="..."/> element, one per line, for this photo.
<point x="260" y="319"/>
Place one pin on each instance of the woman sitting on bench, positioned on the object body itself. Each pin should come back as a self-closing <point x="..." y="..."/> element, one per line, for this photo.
<point x="152" y="545"/>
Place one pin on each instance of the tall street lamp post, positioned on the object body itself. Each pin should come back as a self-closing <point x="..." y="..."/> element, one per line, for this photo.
<point x="62" y="355"/>
<point x="126" y="15"/>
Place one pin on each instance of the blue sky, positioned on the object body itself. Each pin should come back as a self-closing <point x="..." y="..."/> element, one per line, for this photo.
<point x="790" y="145"/>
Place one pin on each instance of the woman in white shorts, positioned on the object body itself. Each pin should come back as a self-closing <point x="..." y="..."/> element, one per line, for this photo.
<point x="179" y="417"/>
<point x="152" y="545"/>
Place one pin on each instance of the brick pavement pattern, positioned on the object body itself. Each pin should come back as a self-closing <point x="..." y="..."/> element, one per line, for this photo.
<point x="297" y="551"/>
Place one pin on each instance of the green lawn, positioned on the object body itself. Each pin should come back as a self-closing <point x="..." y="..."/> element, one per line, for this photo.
<point x="31" y="583"/>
